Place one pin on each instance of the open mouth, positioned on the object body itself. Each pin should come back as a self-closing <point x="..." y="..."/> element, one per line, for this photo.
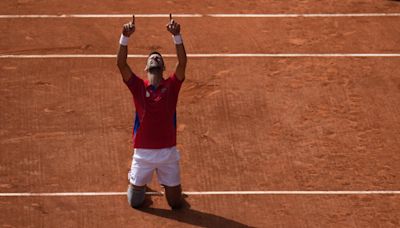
<point x="154" y="69"/>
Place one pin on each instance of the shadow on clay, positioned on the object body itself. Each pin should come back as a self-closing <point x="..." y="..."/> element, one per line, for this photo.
<point x="193" y="217"/>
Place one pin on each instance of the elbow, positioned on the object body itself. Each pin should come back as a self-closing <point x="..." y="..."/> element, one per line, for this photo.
<point x="183" y="61"/>
<point x="120" y="67"/>
<point x="181" y="65"/>
<point x="120" y="63"/>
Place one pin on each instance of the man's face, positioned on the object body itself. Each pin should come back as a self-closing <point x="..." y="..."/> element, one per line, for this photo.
<point x="155" y="61"/>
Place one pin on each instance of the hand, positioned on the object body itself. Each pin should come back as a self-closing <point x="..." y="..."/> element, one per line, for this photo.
<point x="173" y="27"/>
<point x="129" y="28"/>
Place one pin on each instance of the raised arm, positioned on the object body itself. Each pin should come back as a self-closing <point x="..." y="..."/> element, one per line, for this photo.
<point x="175" y="29"/>
<point x="122" y="55"/>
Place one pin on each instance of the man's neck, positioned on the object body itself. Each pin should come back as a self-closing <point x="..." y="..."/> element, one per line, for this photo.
<point x="155" y="79"/>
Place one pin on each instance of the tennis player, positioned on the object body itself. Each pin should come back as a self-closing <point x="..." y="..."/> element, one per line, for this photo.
<point x="154" y="130"/>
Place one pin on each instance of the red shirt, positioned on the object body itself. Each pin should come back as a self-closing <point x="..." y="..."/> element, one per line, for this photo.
<point x="155" y="119"/>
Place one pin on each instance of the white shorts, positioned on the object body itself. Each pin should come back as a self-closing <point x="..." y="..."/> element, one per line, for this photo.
<point x="164" y="161"/>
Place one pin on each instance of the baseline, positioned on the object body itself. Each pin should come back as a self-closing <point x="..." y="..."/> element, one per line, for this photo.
<point x="218" y="55"/>
<point x="31" y="194"/>
<point x="200" y="15"/>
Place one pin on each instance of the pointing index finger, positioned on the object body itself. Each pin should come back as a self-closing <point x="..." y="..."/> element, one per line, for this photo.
<point x="133" y="19"/>
<point x="170" y="16"/>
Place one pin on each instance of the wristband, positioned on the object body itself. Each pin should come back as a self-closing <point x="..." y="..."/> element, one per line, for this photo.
<point x="177" y="39"/>
<point x="123" y="40"/>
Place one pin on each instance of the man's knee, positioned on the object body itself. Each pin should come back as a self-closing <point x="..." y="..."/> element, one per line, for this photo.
<point x="174" y="196"/>
<point x="136" y="196"/>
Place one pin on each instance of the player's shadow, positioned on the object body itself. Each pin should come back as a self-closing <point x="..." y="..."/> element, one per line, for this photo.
<point x="194" y="217"/>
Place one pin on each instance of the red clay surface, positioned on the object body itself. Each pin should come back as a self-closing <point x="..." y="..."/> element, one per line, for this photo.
<point x="194" y="6"/>
<point x="243" y="123"/>
<point x="206" y="211"/>
<point x="204" y="35"/>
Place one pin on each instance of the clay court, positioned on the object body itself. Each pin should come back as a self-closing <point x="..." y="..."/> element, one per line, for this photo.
<point x="270" y="134"/>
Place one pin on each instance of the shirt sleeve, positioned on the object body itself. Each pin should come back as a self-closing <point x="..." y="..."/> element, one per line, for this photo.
<point x="135" y="85"/>
<point x="176" y="83"/>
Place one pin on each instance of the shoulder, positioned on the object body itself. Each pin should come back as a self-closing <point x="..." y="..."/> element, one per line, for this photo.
<point x="134" y="80"/>
<point x="173" y="79"/>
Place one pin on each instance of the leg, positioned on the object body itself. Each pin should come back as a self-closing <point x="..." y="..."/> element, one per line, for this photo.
<point x="139" y="175"/>
<point x="174" y="196"/>
<point x="169" y="177"/>
<point x="136" y="195"/>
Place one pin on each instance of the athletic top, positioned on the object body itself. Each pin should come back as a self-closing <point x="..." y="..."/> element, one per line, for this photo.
<point x="155" y="118"/>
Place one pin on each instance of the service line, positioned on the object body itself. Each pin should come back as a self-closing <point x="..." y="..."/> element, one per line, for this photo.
<point x="212" y="55"/>
<point x="279" y="15"/>
<point x="33" y="194"/>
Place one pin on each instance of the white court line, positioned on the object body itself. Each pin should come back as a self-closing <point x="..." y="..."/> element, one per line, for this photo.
<point x="310" y="15"/>
<point x="279" y="15"/>
<point x="221" y="55"/>
<point x="96" y="15"/>
<point x="32" y="194"/>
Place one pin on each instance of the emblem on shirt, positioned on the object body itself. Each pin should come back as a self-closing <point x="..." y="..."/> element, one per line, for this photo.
<point x="163" y="90"/>
<point x="147" y="94"/>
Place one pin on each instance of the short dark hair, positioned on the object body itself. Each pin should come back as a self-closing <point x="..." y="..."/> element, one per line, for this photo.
<point x="155" y="52"/>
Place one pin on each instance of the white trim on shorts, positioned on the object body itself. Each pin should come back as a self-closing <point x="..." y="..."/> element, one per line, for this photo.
<point x="164" y="161"/>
